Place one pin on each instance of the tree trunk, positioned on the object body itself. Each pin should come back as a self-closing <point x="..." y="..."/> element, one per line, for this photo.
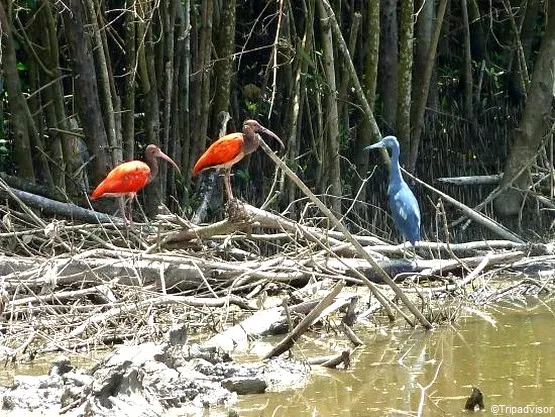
<point x="372" y="46"/>
<point x="527" y="36"/>
<point x="104" y="83"/>
<point x="86" y="98"/>
<point x="128" y="103"/>
<point x="333" y="175"/>
<point x="294" y="114"/>
<point x="224" y="42"/>
<point x="22" y="141"/>
<point x="535" y="121"/>
<point x="406" y="36"/>
<point x="67" y="163"/>
<point x="201" y="81"/>
<point x="167" y="142"/>
<point x="388" y="64"/>
<point x="182" y="108"/>
<point x="467" y="74"/>
<point x="424" y="87"/>
<point x="344" y="82"/>
<point x="153" y="55"/>
<point x="423" y="39"/>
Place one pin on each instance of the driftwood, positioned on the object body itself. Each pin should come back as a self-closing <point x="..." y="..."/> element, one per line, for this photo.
<point x="303" y="326"/>
<point x="493" y="179"/>
<point x="23" y="184"/>
<point x="267" y="321"/>
<point x="472" y="180"/>
<point x="85" y="284"/>
<point x="332" y="361"/>
<point x="480" y="218"/>
<point x="48" y="207"/>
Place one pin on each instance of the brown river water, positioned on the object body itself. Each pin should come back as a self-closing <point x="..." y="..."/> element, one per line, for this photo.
<point x="508" y="351"/>
<point x="509" y="355"/>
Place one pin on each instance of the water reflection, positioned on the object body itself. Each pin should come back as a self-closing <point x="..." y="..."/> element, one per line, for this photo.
<point x="510" y="359"/>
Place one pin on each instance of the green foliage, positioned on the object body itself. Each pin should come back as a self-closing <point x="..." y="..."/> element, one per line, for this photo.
<point x="243" y="174"/>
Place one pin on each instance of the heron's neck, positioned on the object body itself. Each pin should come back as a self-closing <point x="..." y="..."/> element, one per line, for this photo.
<point x="395" y="169"/>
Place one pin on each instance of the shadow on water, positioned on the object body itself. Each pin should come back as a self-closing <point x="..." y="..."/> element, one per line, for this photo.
<point x="510" y="356"/>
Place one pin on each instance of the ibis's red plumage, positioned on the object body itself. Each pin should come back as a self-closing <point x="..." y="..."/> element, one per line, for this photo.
<point x="125" y="179"/>
<point x="230" y="149"/>
<point x="225" y="152"/>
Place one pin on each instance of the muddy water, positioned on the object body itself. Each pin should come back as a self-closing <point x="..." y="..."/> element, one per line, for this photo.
<point x="509" y="353"/>
<point x="510" y="356"/>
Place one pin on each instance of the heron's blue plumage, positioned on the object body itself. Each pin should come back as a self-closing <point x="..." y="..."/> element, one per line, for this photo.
<point x="402" y="202"/>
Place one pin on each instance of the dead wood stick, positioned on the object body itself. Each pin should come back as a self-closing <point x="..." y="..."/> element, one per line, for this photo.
<point x="477" y="245"/>
<point x="336" y="305"/>
<point x="470" y="277"/>
<point x="374" y="289"/>
<point x="305" y="323"/>
<point x="499" y="293"/>
<point x="370" y="310"/>
<point x="99" y="290"/>
<point x="482" y="263"/>
<point x="152" y="302"/>
<point x="270" y="237"/>
<point x="238" y="336"/>
<point x="261" y="218"/>
<point x="13" y="194"/>
<point x="485" y="221"/>
<point x="362" y="253"/>
<point x="355" y="340"/>
<point x="48" y="206"/>
<point x="14" y="352"/>
<point x="332" y="361"/>
<point x="450" y="264"/>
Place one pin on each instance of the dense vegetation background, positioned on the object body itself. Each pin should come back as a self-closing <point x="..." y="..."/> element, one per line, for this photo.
<point x="466" y="85"/>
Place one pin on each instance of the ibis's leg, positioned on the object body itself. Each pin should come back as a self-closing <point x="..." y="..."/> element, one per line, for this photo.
<point x="131" y="198"/>
<point x="227" y="182"/>
<point x="145" y="218"/>
<point x="121" y="203"/>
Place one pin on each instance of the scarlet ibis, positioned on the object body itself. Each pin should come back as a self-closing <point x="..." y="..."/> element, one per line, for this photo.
<point x="230" y="149"/>
<point x="402" y="202"/>
<point x="129" y="178"/>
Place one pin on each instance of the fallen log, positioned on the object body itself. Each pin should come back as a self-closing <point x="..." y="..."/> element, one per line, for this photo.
<point x="49" y="207"/>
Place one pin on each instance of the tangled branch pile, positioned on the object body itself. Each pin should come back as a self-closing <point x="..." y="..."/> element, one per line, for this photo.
<point x="76" y="286"/>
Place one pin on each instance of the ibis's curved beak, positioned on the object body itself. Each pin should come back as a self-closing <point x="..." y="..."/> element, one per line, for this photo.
<point x="273" y="135"/>
<point x="160" y="154"/>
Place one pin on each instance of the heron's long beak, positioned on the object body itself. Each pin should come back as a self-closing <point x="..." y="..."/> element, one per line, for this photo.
<point x="162" y="155"/>
<point x="376" y="145"/>
<point x="273" y="135"/>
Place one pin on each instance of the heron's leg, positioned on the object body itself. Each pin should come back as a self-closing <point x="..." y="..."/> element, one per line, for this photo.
<point x="404" y="249"/>
<point x="227" y="182"/>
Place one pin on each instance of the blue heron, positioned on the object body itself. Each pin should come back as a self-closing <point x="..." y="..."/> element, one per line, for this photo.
<point x="402" y="202"/>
